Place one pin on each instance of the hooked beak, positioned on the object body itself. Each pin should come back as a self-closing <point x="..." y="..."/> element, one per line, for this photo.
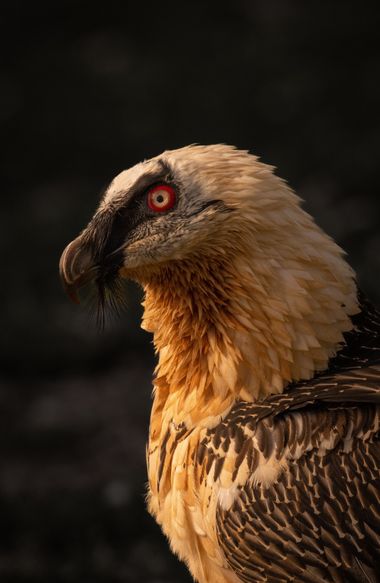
<point x="76" y="268"/>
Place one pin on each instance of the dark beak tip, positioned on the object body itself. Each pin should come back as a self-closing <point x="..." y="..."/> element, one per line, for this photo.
<point x="72" y="294"/>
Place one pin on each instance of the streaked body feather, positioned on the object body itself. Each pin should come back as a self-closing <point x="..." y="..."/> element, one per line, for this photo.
<point x="291" y="484"/>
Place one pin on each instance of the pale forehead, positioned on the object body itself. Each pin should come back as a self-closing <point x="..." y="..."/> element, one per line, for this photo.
<point x="124" y="181"/>
<point x="213" y="162"/>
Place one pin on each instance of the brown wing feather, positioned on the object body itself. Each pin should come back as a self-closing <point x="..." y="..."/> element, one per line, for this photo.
<point x="310" y="525"/>
<point x="319" y="520"/>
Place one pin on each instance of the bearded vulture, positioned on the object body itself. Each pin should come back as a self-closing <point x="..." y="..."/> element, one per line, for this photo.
<point x="264" y="451"/>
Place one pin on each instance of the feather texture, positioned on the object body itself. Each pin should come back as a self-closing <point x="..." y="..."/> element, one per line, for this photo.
<point x="317" y="517"/>
<point x="263" y="455"/>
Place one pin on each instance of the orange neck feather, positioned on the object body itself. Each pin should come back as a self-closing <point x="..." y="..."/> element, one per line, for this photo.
<point x="225" y="332"/>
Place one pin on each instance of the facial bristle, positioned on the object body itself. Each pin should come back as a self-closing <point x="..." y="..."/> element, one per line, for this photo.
<point x="107" y="300"/>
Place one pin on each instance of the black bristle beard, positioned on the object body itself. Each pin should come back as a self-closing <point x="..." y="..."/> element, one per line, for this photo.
<point x="107" y="299"/>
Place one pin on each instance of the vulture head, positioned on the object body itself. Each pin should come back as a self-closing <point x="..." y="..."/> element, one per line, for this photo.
<point x="240" y="283"/>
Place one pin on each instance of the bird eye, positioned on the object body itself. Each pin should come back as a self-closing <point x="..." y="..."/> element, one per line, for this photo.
<point x="161" y="198"/>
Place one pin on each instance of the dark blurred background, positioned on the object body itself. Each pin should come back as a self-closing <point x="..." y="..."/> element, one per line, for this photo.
<point x="88" y="89"/>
